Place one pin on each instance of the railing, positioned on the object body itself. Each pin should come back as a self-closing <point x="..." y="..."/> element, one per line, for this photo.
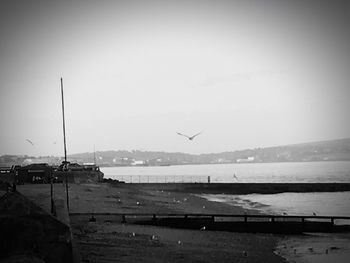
<point x="136" y="179"/>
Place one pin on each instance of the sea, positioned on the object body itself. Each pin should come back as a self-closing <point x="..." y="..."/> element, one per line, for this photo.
<point x="310" y="247"/>
<point x="330" y="204"/>
<point x="289" y="172"/>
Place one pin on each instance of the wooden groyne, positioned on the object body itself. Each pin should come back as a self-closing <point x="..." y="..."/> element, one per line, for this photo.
<point x="287" y="224"/>
<point x="244" y="188"/>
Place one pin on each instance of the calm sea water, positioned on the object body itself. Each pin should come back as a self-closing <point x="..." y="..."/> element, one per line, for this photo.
<point x="291" y="203"/>
<point x="303" y="172"/>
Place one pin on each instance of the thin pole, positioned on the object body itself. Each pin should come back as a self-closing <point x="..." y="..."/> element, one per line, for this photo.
<point x="65" y="147"/>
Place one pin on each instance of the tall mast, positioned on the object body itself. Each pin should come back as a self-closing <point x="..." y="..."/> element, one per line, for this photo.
<point x="65" y="147"/>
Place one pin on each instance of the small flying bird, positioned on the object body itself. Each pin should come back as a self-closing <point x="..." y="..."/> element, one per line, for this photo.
<point x="30" y="142"/>
<point x="313" y="213"/>
<point x="189" y="137"/>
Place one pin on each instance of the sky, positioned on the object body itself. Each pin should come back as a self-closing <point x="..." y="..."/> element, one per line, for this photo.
<point x="246" y="74"/>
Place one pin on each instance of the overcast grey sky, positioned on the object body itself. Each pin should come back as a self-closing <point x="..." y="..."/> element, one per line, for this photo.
<point x="246" y="73"/>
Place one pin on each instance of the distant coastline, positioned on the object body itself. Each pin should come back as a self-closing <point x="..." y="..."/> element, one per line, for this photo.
<point x="332" y="150"/>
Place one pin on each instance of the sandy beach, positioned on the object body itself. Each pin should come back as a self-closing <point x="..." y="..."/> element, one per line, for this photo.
<point x="112" y="241"/>
<point x="107" y="239"/>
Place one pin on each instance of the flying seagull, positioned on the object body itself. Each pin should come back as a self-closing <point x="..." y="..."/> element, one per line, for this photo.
<point x="189" y="137"/>
<point x="30" y="142"/>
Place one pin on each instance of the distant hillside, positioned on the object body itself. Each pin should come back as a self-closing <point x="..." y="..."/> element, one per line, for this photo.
<point x="314" y="151"/>
<point x="334" y="150"/>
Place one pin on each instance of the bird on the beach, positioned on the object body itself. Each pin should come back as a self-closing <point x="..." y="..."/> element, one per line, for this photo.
<point x="235" y="177"/>
<point x="189" y="137"/>
<point x="313" y="213"/>
<point x="30" y="142"/>
<point x="202" y="228"/>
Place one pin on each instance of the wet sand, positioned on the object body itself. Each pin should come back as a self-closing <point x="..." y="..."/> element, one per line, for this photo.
<point x="316" y="248"/>
<point x="112" y="241"/>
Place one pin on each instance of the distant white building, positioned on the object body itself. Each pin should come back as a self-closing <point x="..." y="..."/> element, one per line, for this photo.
<point x="138" y="162"/>
<point x="246" y="160"/>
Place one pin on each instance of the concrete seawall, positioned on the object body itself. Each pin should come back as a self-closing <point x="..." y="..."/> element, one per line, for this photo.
<point x="31" y="234"/>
